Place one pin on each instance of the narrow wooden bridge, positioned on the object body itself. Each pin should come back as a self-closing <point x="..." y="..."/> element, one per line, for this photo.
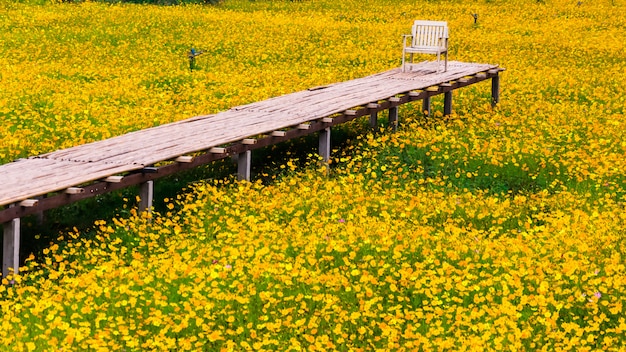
<point x="65" y="176"/>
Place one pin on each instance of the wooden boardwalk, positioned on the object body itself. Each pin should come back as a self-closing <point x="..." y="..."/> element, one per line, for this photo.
<point x="54" y="179"/>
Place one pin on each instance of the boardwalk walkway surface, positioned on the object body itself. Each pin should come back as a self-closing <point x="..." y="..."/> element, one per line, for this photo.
<point x="65" y="174"/>
<point x="39" y="175"/>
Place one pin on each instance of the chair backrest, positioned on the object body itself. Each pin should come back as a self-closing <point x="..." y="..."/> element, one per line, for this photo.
<point x="429" y="33"/>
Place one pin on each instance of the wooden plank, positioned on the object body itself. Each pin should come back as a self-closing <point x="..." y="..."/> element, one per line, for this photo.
<point x="29" y="203"/>
<point x="278" y="133"/>
<point x="114" y="179"/>
<point x="74" y="190"/>
<point x="217" y="150"/>
<point x="184" y="159"/>
<point x="46" y="176"/>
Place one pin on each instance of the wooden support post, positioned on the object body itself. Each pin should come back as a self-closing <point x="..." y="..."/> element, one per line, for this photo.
<point x="373" y="115"/>
<point x="393" y="117"/>
<point x="374" y="120"/>
<point x="324" y="148"/>
<point x="495" y="90"/>
<point x="447" y="103"/>
<point x="11" y="247"/>
<point x="146" y="196"/>
<point x="426" y="106"/>
<point x="40" y="215"/>
<point x="244" y="162"/>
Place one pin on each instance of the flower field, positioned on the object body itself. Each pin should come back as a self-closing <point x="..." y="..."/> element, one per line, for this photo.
<point x="490" y="229"/>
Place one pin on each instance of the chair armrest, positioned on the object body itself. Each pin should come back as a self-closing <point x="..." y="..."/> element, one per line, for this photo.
<point x="404" y="37"/>
<point x="445" y="42"/>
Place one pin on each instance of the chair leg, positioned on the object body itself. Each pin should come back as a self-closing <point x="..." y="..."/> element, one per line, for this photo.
<point x="446" y="70"/>
<point x="403" y="54"/>
<point x="438" y="60"/>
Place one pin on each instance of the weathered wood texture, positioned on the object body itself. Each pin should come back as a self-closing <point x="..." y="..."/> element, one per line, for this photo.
<point x="73" y="167"/>
<point x="11" y="247"/>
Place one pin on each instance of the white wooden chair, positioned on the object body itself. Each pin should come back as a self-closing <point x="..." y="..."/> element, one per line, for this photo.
<point x="427" y="37"/>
